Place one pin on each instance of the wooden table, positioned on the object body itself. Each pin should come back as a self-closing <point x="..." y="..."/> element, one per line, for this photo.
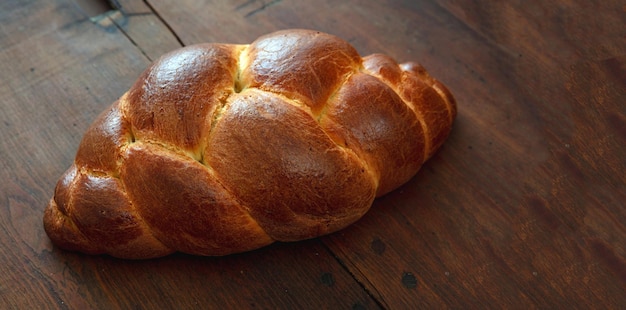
<point x="523" y="207"/>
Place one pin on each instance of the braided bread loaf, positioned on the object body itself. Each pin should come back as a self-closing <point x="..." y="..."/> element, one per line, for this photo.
<point x="218" y="148"/>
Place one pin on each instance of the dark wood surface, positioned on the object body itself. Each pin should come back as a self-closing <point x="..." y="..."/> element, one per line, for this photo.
<point x="523" y="207"/>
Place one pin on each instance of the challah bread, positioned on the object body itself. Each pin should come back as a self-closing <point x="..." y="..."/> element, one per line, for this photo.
<point x="220" y="148"/>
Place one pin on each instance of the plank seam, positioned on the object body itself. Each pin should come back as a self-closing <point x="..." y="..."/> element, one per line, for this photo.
<point x="380" y="303"/>
<point x="167" y="25"/>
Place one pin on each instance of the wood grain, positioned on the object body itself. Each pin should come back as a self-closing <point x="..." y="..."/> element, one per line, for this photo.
<point x="523" y="207"/>
<point x="72" y="72"/>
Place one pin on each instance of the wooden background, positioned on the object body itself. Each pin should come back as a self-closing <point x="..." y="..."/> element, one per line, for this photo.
<point x="523" y="207"/>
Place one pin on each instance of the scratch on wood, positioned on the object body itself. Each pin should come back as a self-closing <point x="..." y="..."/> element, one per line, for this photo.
<point x="243" y="5"/>
<point x="263" y="6"/>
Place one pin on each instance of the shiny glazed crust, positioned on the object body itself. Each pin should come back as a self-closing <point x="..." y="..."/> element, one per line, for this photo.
<point x="219" y="148"/>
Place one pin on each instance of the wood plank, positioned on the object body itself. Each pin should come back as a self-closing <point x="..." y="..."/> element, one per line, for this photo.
<point x="147" y="32"/>
<point x="280" y="276"/>
<point x="134" y="7"/>
<point x="563" y="31"/>
<point x="492" y="217"/>
<point x="522" y="208"/>
<point x="57" y="75"/>
<point x="481" y="222"/>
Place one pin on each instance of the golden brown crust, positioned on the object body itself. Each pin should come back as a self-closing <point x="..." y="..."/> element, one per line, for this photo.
<point x="185" y="206"/>
<point x="303" y="65"/>
<point x="100" y="150"/>
<point x="372" y="119"/>
<point x="172" y="101"/>
<point x="219" y="148"/>
<point x="295" y="181"/>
